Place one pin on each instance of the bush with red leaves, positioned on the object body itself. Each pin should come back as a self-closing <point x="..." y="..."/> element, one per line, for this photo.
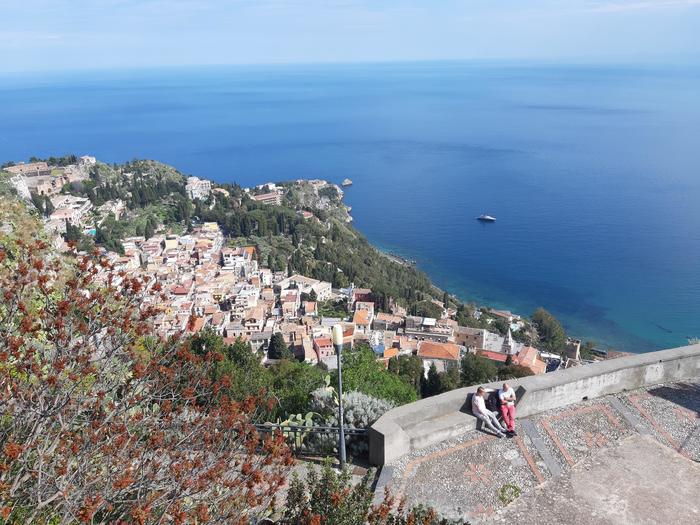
<point x="101" y="423"/>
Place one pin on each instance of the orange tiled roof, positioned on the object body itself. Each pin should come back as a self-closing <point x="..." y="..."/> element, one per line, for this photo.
<point x="323" y="341"/>
<point x="390" y="352"/>
<point x="361" y="317"/>
<point x="526" y="356"/>
<point x="196" y="325"/>
<point x="407" y="344"/>
<point x="432" y="350"/>
<point x="382" y="316"/>
<point x="529" y="358"/>
<point x="493" y="356"/>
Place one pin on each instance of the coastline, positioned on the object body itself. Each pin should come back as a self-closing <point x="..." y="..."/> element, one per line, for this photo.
<point x="395" y="256"/>
<point x="563" y="238"/>
<point x="631" y="343"/>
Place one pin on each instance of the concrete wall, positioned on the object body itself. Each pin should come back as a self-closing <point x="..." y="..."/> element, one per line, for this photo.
<point x="434" y="419"/>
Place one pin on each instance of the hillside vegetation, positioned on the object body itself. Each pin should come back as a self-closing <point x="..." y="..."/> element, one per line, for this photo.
<point x="325" y="247"/>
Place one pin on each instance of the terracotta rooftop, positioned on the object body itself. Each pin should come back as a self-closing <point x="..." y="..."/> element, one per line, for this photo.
<point x="432" y="350"/>
<point x="361" y="318"/>
<point x="323" y="341"/>
<point x="493" y="356"/>
<point x="529" y="357"/>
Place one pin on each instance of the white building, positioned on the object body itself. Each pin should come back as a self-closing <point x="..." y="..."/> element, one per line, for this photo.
<point x="70" y="209"/>
<point x="198" y="188"/>
<point x="323" y="289"/>
<point x="240" y="261"/>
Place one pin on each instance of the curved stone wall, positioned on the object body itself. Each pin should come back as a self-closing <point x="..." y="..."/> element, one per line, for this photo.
<point x="434" y="419"/>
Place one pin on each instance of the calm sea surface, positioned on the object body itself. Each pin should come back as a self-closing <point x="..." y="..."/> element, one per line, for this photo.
<point x="592" y="172"/>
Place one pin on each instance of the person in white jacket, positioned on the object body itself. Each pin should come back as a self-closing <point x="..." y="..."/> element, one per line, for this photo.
<point x="489" y="418"/>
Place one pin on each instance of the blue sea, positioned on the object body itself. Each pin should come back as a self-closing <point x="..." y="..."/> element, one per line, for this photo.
<point x="593" y="172"/>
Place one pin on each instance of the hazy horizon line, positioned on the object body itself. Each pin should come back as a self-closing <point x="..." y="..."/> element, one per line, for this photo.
<point x="676" y="60"/>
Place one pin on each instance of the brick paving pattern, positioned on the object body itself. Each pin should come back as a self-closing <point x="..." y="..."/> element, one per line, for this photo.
<point x="462" y="477"/>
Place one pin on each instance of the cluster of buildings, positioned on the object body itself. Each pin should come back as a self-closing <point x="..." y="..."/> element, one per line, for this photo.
<point x="68" y="209"/>
<point x="268" y="193"/>
<point x="198" y="189"/>
<point x="79" y="212"/>
<point x="42" y="179"/>
<point x="47" y="181"/>
<point x="204" y="283"/>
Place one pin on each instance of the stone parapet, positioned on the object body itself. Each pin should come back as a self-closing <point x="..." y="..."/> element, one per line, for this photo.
<point x="441" y="417"/>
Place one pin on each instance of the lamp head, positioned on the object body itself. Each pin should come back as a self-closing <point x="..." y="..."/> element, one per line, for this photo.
<point x="337" y="335"/>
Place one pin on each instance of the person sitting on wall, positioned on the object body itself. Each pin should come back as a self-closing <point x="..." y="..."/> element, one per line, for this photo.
<point x="506" y="396"/>
<point x="489" y="418"/>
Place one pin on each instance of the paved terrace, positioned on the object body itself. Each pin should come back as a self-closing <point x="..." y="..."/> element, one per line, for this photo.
<point x="461" y="477"/>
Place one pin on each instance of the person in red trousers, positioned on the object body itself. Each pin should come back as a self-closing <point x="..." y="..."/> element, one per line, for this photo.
<point x="507" y="397"/>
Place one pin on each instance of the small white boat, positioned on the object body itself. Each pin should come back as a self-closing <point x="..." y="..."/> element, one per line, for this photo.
<point x="486" y="218"/>
<point x="346" y="182"/>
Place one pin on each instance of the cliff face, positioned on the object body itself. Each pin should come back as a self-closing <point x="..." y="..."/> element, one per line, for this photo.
<point x="318" y="195"/>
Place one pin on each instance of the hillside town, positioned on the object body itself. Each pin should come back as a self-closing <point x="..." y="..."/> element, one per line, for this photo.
<point x="206" y="283"/>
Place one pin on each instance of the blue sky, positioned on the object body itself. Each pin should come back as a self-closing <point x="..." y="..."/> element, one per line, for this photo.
<point x="85" y="34"/>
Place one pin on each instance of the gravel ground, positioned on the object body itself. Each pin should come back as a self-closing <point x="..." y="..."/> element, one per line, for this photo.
<point x="464" y="482"/>
<point x="582" y="433"/>
<point x="461" y="477"/>
<point x="541" y="465"/>
<point x="675" y="410"/>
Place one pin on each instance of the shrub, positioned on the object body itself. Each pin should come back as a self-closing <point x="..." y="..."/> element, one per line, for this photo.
<point x="513" y="372"/>
<point x="328" y="497"/>
<point x="477" y="369"/>
<point x="102" y="423"/>
<point x="363" y="373"/>
<point x="508" y="493"/>
<point x="359" y="411"/>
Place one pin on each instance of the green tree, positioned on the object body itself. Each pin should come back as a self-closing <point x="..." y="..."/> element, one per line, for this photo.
<point x="292" y="382"/>
<point x="409" y="368"/>
<point x="431" y="385"/>
<point x="500" y="325"/>
<point x="362" y="372"/>
<point x="243" y="367"/>
<point x="38" y="202"/>
<point x="149" y="229"/>
<point x="207" y="340"/>
<point x="427" y="309"/>
<point x="550" y="331"/>
<point x="49" y="208"/>
<point x="73" y="233"/>
<point x="477" y="369"/>
<point x="277" y="348"/>
<point x="449" y="379"/>
<point x="524" y="335"/>
<point x="588" y="346"/>
<point x="513" y="372"/>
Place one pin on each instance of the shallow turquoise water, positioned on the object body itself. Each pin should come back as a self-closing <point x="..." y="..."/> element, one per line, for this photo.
<point x="592" y="172"/>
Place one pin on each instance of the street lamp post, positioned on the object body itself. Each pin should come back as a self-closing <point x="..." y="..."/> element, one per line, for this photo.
<point x="338" y="345"/>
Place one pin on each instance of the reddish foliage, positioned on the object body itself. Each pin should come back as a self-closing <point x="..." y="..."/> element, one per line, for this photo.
<point x="102" y="422"/>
